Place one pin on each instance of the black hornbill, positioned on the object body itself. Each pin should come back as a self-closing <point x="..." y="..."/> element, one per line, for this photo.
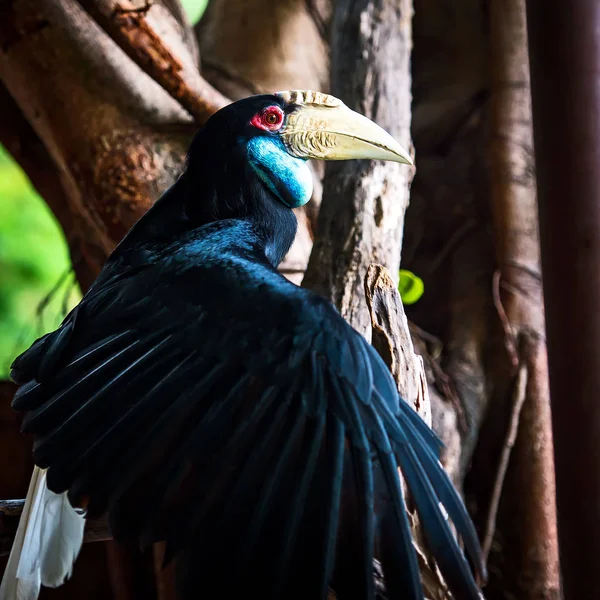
<point x="199" y="398"/>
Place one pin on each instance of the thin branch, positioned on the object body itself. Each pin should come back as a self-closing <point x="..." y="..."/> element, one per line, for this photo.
<point x="518" y="396"/>
<point x="39" y="311"/>
<point x="96" y="529"/>
<point x="438" y="345"/>
<point x="443" y="382"/>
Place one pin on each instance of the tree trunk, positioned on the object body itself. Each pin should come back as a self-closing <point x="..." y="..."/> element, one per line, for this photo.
<point x="564" y="47"/>
<point x="361" y="219"/>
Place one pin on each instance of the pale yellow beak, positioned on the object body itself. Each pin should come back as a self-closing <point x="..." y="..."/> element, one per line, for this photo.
<point x="324" y="128"/>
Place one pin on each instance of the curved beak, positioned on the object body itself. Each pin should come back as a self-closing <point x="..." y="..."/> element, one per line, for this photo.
<point x="324" y="128"/>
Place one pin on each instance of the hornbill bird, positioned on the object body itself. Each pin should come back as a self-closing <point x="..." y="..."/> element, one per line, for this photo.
<point x="199" y="398"/>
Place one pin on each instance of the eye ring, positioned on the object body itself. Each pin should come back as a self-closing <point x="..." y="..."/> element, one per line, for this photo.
<point x="269" y="118"/>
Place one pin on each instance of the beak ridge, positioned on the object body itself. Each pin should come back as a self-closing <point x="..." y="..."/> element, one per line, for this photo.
<point x="332" y="131"/>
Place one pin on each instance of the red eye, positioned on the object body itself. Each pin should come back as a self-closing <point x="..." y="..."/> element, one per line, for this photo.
<point x="269" y="119"/>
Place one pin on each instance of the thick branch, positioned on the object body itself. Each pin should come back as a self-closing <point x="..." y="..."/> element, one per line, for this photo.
<point x="152" y="37"/>
<point x="362" y="215"/>
<point x="115" y="136"/>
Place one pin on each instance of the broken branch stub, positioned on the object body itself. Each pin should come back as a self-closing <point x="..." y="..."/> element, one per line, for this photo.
<point x="391" y="338"/>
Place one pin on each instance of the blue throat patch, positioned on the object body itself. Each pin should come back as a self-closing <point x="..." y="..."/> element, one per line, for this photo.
<point x="288" y="177"/>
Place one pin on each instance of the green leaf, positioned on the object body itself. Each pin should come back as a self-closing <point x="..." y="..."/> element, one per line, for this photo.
<point x="411" y="287"/>
<point x="194" y="9"/>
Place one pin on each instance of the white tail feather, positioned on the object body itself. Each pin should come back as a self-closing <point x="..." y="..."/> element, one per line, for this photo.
<point x="48" y="540"/>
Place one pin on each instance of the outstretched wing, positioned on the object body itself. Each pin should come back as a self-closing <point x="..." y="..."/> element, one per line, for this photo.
<point x="238" y="417"/>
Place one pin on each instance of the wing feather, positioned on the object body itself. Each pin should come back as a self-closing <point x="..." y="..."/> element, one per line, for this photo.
<point x="242" y="421"/>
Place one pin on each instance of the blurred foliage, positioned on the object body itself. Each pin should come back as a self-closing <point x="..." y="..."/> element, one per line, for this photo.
<point x="34" y="265"/>
<point x="37" y="285"/>
<point x="194" y="9"/>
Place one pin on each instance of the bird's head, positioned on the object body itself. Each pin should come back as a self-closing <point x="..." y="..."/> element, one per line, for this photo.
<point x="275" y="134"/>
<point x="249" y="162"/>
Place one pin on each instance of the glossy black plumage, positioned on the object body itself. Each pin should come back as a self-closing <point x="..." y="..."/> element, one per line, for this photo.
<point x="203" y="399"/>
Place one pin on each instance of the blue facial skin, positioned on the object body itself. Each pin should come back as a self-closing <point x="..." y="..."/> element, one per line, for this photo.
<point x="288" y="177"/>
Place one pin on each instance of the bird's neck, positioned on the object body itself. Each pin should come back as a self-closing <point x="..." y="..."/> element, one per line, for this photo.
<point x="194" y="201"/>
<point x="223" y="185"/>
<point x="275" y="229"/>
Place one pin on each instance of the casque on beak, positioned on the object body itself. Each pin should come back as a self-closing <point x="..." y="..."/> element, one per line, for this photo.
<point x="324" y="128"/>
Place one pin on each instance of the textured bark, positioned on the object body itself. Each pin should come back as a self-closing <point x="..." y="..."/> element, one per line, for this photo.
<point x="100" y="119"/>
<point x="362" y="215"/>
<point x="392" y="340"/>
<point x="150" y="34"/>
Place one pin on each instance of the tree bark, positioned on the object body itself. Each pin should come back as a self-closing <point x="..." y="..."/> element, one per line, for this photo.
<point x="362" y="215"/>
<point x="392" y="340"/>
<point x="101" y="120"/>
